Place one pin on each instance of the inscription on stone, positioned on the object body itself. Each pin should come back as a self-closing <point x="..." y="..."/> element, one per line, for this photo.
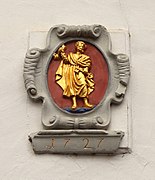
<point x="96" y="143"/>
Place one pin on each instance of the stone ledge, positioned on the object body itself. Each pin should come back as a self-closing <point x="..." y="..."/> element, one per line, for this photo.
<point x="76" y="141"/>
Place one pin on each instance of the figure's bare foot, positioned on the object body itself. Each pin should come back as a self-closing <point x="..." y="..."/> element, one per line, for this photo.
<point x="74" y="106"/>
<point x="87" y="103"/>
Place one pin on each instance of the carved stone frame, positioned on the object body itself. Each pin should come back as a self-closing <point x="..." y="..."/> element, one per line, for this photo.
<point x="35" y="78"/>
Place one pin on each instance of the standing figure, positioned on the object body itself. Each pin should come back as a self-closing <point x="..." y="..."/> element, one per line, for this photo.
<point x="73" y="74"/>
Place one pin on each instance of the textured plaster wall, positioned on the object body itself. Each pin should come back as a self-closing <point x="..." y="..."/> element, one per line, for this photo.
<point x="19" y="116"/>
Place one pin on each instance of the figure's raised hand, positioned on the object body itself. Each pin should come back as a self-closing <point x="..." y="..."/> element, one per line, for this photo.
<point x="56" y="56"/>
<point x="60" y="53"/>
<point x="61" y="49"/>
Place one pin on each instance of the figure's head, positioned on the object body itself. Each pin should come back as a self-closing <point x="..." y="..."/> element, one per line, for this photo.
<point x="80" y="46"/>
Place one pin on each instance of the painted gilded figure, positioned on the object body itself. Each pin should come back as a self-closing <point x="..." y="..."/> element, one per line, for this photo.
<point x="73" y="74"/>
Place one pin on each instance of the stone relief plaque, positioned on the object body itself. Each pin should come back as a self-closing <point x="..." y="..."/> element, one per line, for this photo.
<point x="77" y="78"/>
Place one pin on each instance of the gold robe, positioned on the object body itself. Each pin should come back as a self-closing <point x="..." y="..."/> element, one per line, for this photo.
<point x="74" y="77"/>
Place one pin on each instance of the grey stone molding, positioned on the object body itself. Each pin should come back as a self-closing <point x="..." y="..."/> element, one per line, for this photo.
<point x="35" y="79"/>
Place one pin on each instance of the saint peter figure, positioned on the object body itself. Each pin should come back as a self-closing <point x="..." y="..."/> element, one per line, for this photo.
<point x="73" y="74"/>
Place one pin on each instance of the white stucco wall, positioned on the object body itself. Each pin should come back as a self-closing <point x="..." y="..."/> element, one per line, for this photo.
<point x="19" y="116"/>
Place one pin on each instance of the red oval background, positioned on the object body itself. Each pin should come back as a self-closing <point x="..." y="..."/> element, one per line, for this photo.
<point x="99" y="69"/>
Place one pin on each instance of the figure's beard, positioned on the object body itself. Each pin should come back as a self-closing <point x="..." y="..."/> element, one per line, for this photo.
<point x="80" y="50"/>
